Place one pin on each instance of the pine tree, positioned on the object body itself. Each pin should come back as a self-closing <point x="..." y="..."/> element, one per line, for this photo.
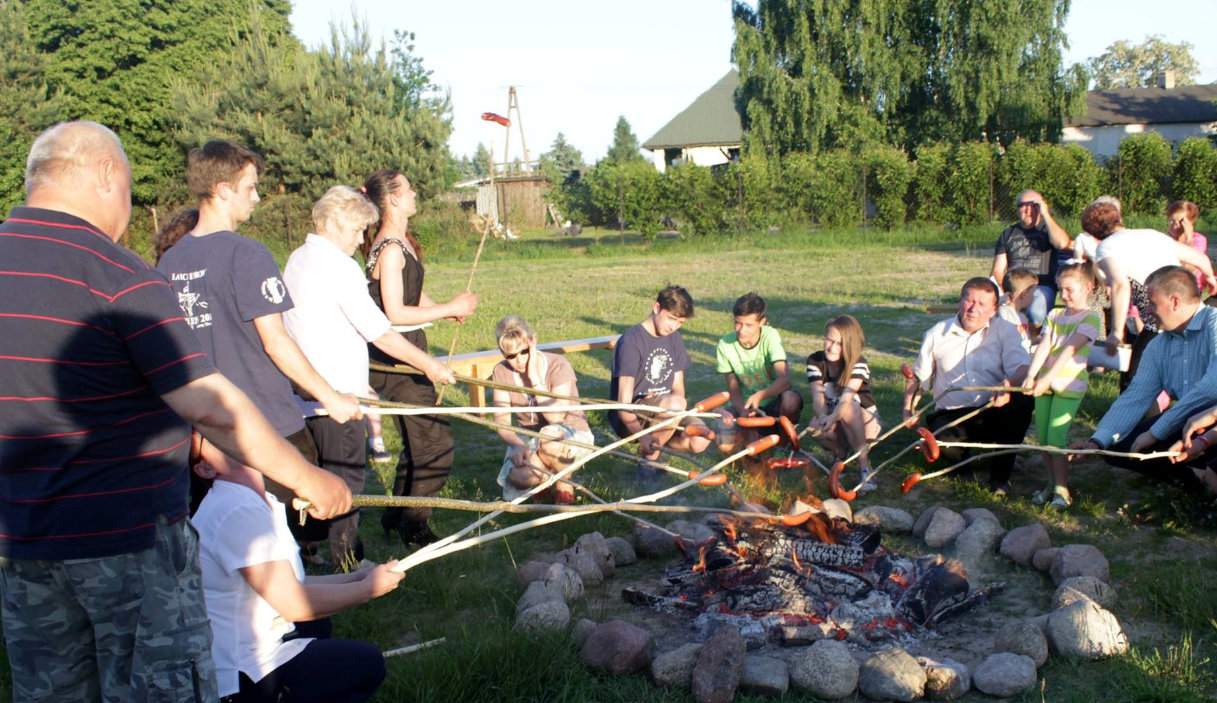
<point x="562" y="156"/>
<point x="625" y="147"/>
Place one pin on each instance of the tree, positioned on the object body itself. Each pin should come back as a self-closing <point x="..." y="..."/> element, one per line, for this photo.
<point x="625" y="147"/>
<point x="822" y="74"/>
<point x="562" y="156"/>
<point x="1126" y="65"/>
<point x="115" y="63"/>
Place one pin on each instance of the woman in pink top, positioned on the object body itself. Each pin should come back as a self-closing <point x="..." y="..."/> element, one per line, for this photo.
<point x="1181" y="217"/>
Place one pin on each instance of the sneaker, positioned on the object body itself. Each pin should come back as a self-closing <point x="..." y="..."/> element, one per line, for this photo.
<point x="381" y="456"/>
<point x="868" y="481"/>
<point x="1042" y="496"/>
<point x="1061" y="500"/>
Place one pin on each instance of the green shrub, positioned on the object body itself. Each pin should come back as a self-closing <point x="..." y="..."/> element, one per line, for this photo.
<point x="1139" y="173"/>
<point x="1195" y="173"/>
<point x="888" y="174"/>
<point x="930" y="201"/>
<point x="762" y="204"/>
<point x="1070" y="178"/>
<point x="693" y="196"/>
<point x="632" y="192"/>
<point x="825" y="187"/>
<point x="969" y="183"/>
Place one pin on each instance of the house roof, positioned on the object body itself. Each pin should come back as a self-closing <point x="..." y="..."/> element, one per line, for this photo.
<point x="710" y="120"/>
<point x="1189" y="103"/>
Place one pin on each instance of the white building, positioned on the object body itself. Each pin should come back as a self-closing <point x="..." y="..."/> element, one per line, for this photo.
<point x="1111" y="115"/>
<point x="706" y="133"/>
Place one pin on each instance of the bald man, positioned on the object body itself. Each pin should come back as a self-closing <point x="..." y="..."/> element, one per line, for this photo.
<point x="1033" y="243"/>
<point x="100" y="378"/>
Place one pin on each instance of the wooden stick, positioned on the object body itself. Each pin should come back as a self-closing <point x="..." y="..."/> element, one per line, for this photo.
<point x="412" y="648"/>
<point x="381" y="407"/>
<point x="1139" y="456"/>
<point x="969" y="460"/>
<point x="953" y="423"/>
<point x="602" y="506"/>
<point x="439" y="399"/>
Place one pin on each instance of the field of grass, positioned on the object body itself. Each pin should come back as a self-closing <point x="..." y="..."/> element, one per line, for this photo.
<point x="1160" y="543"/>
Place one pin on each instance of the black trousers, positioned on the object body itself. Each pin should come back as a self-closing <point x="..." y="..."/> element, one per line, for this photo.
<point x="1161" y="469"/>
<point x="342" y="449"/>
<point x="313" y="530"/>
<point x="327" y="671"/>
<point x="1005" y="425"/>
<point x="427" y="446"/>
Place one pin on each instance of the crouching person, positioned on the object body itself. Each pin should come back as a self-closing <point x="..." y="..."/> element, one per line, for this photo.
<point x="531" y="461"/>
<point x="270" y="628"/>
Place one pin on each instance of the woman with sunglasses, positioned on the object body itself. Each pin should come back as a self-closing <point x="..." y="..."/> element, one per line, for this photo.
<point x="530" y="461"/>
<point x="395" y="281"/>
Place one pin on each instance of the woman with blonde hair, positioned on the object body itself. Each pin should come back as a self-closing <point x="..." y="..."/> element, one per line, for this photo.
<point x="844" y="417"/>
<point x="530" y="461"/>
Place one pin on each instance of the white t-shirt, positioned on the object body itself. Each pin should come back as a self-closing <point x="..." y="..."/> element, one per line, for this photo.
<point x="952" y="358"/>
<point x="334" y="318"/>
<point x="1138" y="252"/>
<point x="237" y="528"/>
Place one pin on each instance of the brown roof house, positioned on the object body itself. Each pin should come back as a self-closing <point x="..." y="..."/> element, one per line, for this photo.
<point x="707" y="132"/>
<point x="1111" y="115"/>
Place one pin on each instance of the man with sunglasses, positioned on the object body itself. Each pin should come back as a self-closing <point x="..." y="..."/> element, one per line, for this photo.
<point x="1032" y="243"/>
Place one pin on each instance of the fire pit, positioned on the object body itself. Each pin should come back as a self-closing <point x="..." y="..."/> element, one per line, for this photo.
<point x="824" y="578"/>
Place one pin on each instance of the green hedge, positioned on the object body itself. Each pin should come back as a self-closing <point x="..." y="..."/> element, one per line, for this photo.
<point x="1139" y="173"/>
<point x="1194" y="176"/>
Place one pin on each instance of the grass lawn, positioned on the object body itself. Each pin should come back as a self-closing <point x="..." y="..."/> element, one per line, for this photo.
<point x="1160" y="542"/>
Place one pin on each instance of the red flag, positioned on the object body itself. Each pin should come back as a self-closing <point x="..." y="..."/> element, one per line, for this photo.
<point x="492" y="117"/>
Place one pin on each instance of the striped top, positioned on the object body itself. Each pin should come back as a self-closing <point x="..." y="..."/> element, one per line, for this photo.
<point x="90" y="337"/>
<point x="820" y="369"/>
<point x="1072" y="380"/>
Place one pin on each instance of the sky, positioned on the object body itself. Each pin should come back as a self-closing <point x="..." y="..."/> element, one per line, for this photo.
<point x="577" y="65"/>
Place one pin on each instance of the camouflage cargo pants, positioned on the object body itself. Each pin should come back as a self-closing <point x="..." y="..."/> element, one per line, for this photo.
<point x="131" y="627"/>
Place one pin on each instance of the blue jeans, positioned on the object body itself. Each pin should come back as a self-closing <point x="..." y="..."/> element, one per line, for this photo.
<point x="1042" y="301"/>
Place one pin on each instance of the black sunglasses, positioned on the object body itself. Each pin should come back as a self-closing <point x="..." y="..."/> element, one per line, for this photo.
<point x="509" y="357"/>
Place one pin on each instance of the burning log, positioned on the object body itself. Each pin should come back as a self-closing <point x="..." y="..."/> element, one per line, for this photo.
<point x="811" y="551"/>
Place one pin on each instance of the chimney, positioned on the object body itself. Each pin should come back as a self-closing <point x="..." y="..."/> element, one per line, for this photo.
<point x="1166" y="79"/>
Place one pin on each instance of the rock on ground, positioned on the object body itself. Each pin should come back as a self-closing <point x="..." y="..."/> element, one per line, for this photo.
<point x="545" y="615"/>
<point x="623" y="551"/>
<point x="765" y="676"/>
<point x="531" y="570"/>
<point x="887" y="519"/>
<point x="565" y="579"/>
<point x="923" y="520"/>
<point x="583" y="563"/>
<point x="1004" y="674"/>
<point x="716" y="675"/>
<point x="674" y="668"/>
<point x="1020" y="544"/>
<point x="1077" y="587"/>
<point x="539" y="592"/>
<point x="892" y="674"/>
<point x="595" y="543"/>
<point x="826" y="670"/>
<point x="971" y="515"/>
<point x="654" y="543"/>
<point x="1023" y="637"/>
<point x="583" y="627"/>
<point x="944" y="527"/>
<point x="1079" y="560"/>
<point x="978" y="541"/>
<point x="1042" y="560"/>
<point x="946" y="679"/>
<point x="694" y="532"/>
<point x="1086" y="631"/>
<point x="617" y="647"/>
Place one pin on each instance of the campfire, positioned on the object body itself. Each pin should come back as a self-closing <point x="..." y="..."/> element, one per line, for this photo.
<point x="808" y="578"/>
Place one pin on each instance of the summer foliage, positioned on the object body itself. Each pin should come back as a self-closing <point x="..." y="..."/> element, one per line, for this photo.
<point x="1126" y="65"/>
<point x="823" y="74"/>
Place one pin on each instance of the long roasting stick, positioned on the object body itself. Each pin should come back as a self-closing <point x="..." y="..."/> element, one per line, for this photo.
<point x="377" y="501"/>
<point x="1140" y="456"/>
<point x="468" y="288"/>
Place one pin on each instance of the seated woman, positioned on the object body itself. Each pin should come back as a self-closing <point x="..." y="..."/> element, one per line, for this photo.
<point x="270" y="628"/>
<point x="844" y="411"/>
<point x="531" y="461"/>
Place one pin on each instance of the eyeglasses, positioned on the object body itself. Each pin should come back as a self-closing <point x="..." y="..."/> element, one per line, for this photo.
<point x="1028" y="203"/>
<point x="509" y="357"/>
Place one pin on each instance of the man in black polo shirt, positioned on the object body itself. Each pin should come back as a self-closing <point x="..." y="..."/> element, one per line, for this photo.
<point x="1032" y="243"/>
<point x="98" y="565"/>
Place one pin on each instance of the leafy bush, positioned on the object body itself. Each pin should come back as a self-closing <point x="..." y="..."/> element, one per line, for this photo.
<point x="930" y="201"/>
<point x="1139" y="172"/>
<point x="888" y="174"/>
<point x="1066" y="175"/>
<point x="633" y="192"/>
<point x="693" y="195"/>
<point x="762" y="204"/>
<point x="1195" y="173"/>
<point x="969" y="182"/>
<point x="823" y="188"/>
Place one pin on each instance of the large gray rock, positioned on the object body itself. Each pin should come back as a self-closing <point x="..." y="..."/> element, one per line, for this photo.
<point x="944" y="527"/>
<point x="1020" y="544"/>
<point x="1042" y="559"/>
<point x="623" y="551"/>
<point x="977" y="542"/>
<point x="923" y="520"/>
<point x="595" y="544"/>
<point x="617" y="647"/>
<point x="566" y="580"/>
<point x="1023" y="637"/>
<point x="892" y="675"/>
<point x="765" y="676"/>
<point x="1075" y="588"/>
<point x="1087" y="631"/>
<point x="1079" y="560"/>
<point x="540" y="592"/>
<point x="826" y="670"/>
<point x="971" y="515"/>
<point x="835" y="507"/>
<point x="583" y="563"/>
<point x="674" y="668"/>
<point x="887" y="519"/>
<point x="716" y="675"/>
<point x="694" y="532"/>
<point x="654" y="543"/>
<point x="543" y="616"/>
<point x="582" y="628"/>
<point x="531" y="570"/>
<point x="1004" y="674"/>
<point x="946" y="679"/>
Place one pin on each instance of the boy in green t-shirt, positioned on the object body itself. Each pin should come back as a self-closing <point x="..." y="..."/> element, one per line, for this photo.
<point x="754" y="363"/>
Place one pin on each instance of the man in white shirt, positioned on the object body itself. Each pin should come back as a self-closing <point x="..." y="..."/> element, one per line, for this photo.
<point x="975" y="348"/>
<point x="333" y="321"/>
